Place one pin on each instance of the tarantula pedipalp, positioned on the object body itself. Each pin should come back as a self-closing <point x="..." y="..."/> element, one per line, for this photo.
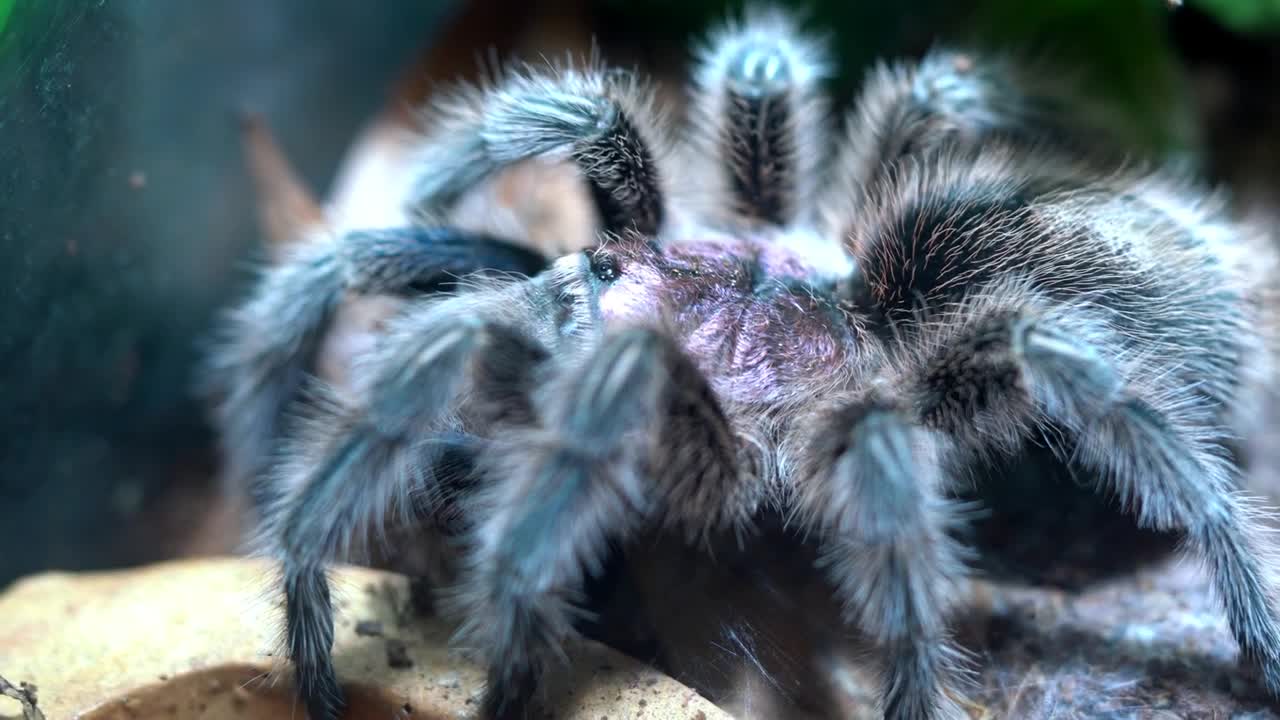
<point x="747" y="340"/>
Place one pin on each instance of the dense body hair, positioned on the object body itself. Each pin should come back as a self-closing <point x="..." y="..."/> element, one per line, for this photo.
<point x="760" y="340"/>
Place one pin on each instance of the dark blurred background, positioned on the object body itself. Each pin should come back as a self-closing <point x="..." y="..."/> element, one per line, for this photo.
<point x="127" y="220"/>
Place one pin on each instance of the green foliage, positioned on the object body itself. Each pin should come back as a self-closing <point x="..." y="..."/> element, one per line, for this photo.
<point x="6" y="7"/>
<point x="1121" y="51"/>
<point x="1244" y="15"/>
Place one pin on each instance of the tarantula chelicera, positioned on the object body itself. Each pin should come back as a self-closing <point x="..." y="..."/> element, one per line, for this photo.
<point x="834" y="333"/>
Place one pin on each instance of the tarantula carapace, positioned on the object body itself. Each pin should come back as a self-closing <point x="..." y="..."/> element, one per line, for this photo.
<point x="836" y="333"/>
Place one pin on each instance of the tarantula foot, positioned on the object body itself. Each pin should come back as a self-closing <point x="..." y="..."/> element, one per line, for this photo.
<point x="760" y="70"/>
<point x="510" y="694"/>
<point x="947" y="81"/>
<point x="1269" y="673"/>
<point x="325" y="708"/>
<point x="907" y="701"/>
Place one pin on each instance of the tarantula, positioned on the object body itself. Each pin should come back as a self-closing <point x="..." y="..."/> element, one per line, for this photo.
<point x="770" y="325"/>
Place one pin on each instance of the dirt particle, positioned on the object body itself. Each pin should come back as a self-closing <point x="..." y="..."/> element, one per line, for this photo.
<point x="369" y="628"/>
<point x="643" y="702"/>
<point x="407" y="708"/>
<point x="137" y="179"/>
<point x="398" y="654"/>
<point x="700" y="716"/>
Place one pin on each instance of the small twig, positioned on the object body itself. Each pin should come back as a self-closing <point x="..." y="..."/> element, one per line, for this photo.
<point x="24" y="693"/>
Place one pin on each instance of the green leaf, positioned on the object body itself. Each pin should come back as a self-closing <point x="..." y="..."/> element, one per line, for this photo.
<point x="1121" y="49"/>
<point x="1244" y="15"/>
<point x="6" y="7"/>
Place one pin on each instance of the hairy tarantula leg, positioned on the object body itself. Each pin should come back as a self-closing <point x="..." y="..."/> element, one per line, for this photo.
<point x="267" y="348"/>
<point x="760" y="115"/>
<point x="1182" y="478"/>
<point x="585" y="480"/>
<point x="595" y="117"/>
<point x="907" y="110"/>
<point x="309" y="624"/>
<point x="363" y="464"/>
<point x="263" y="354"/>
<point x="1158" y="450"/>
<point x="903" y="109"/>
<point x="874" y="491"/>
<point x="1172" y="480"/>
<point x="420" y="260"/>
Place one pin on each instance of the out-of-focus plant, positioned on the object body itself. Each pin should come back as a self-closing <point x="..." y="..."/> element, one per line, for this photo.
<point x="6" y="7"/>
<point x="1244" y="15"/>
<point x="1120" y="50"/>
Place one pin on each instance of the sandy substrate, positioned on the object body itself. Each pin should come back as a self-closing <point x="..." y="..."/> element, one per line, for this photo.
<point x="197" y="639"/>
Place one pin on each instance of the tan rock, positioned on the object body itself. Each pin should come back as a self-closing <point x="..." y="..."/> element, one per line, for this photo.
<point x="196" y="639"/>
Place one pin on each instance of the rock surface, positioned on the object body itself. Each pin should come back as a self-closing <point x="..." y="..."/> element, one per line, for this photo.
<point x="1155" y="645"/>
<point x="196" y="639"/>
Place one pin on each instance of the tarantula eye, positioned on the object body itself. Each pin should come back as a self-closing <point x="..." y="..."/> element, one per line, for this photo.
<point x="605" y="266"/>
